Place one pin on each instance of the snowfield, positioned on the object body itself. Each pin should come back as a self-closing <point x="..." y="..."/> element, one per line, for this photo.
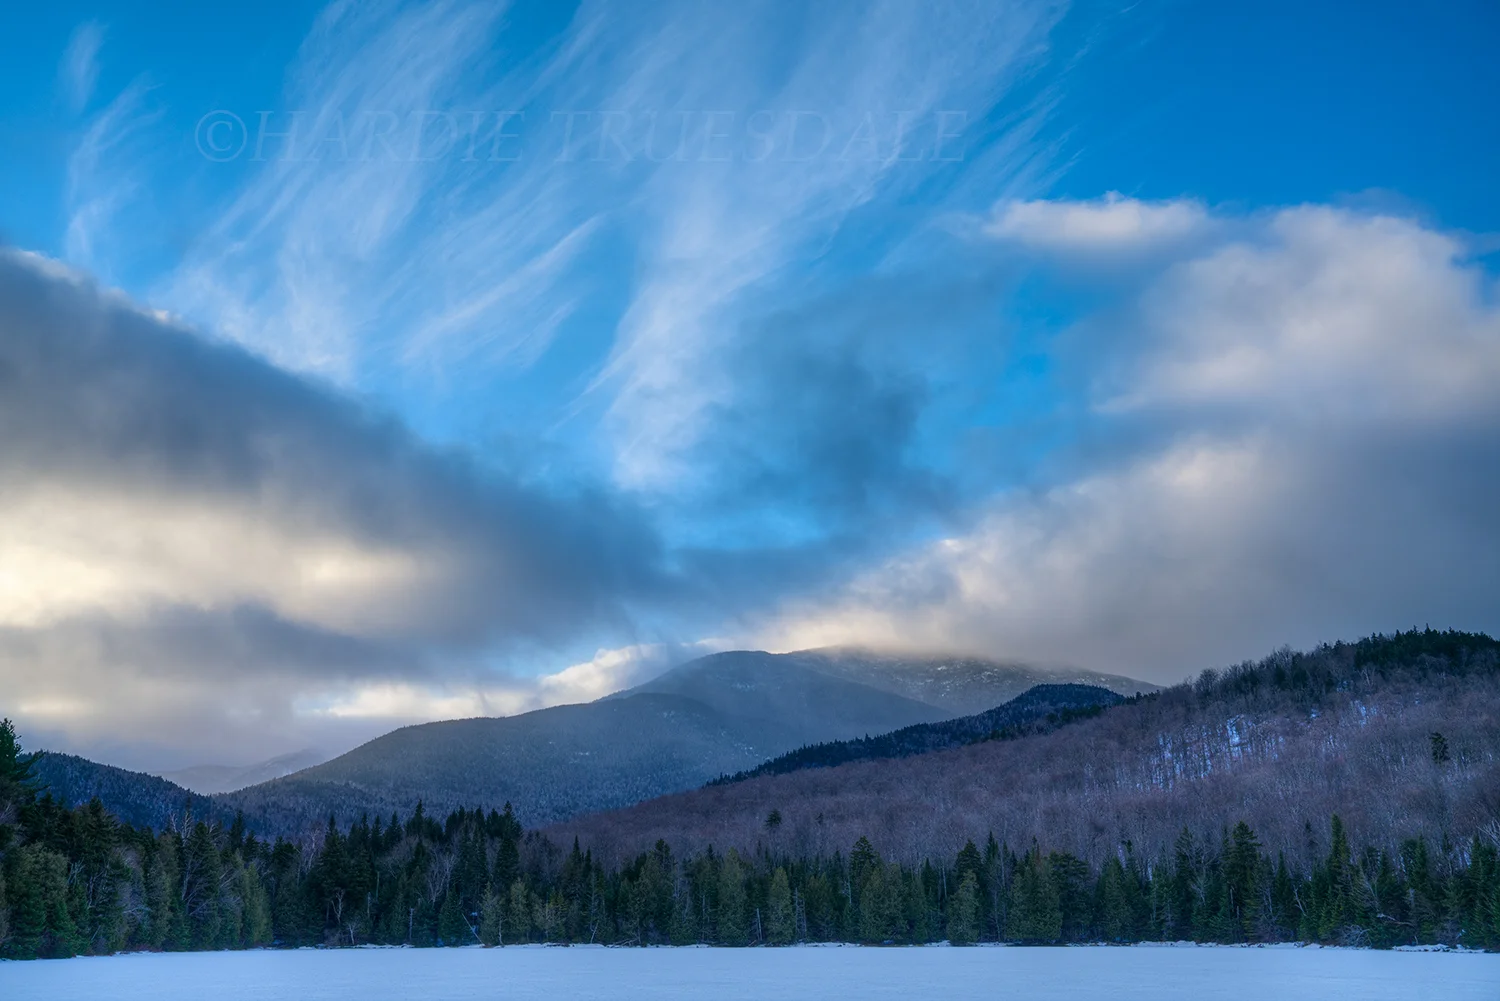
<point x="586" y="974"/>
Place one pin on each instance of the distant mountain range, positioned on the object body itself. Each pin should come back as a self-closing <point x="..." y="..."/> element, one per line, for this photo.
<point x="962" y="685"/>
<point x="210" y="780"/>
<point x="713" y="716"/>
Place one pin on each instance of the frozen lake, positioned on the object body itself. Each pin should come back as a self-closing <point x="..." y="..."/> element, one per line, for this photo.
<point x="585" y="974"/>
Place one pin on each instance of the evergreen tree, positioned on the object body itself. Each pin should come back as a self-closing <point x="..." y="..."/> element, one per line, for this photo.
<point x="200" y="889"/>
<point x="1112" y="904"/>
<point x="17" y="786"/>
<point x="1241" y="875"/>
<point x="256" y="926"/>
<point x="1337" y="913"/>
<point x="519" y="913"/>
<point x="1187" y="887"/>
<point x="1035" y="912"/>
<point x="730" y="919"/>
<point x="492" y="917"/>
<point x="40" y="925"/>
<point x="862" y="860"/>
<point x="882" y="905"/>
<point x="1070" y="875"/>
<point x="963" y="911"/>
<point x="452" y="928"/>
<point x="781" y="920"/>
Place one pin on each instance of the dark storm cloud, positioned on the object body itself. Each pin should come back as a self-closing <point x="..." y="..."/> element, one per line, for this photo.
<point x="100" y="399"/>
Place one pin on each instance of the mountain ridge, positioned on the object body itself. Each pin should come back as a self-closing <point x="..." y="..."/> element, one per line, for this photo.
<point x="717" y="714"/>
<point x="1036" y="710"/>
<point x="1282" y="743"/>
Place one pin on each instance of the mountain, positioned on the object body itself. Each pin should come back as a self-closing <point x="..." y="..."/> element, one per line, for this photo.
<point x="134" y="797"/>
<point x="1038" y="710"/>
<point x="794" y="692"/>
<point x="210" y="780"/>
<point x="1398" y="735"/>
<point x="961" y="685"/>
<point x="712" y="716"/>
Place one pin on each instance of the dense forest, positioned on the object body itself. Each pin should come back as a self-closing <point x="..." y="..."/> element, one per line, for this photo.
<point x="1280" y="743"/>
<point x="78" y="880"/>
<point x="1039" y="709"/>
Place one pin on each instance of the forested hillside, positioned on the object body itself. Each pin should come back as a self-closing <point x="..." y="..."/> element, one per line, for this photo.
<point x="79" y="881"/>
<point x="1039" y="710"/>
<point x="133" y="797"/>
<point x="1283" y="744"/>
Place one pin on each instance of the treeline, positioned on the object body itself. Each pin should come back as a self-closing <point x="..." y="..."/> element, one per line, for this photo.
<point x="79" y="881"/>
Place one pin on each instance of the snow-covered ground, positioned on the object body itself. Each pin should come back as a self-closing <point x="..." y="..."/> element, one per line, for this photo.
<point x="586" y="974"/>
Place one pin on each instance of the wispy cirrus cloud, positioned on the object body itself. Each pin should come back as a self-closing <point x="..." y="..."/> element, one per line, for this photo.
<point x="664" y="160"/>
<point x="107" y="176"/>
<point x="79" y="70"/>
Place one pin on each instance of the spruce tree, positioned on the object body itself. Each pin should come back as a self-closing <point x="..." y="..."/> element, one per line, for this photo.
<point x="1186" y="886"/>
<point x="507" y="860"/>
<point x="519" y="913"/>
<point x="256" y="926"/>
<point x="882" y="905"/>
<point x="492" y="917"/>
<point x="1035" y="912"/>
<point x="40" y="925"/>
<point x="1112" y="904"/>
<point x="1070" y="875"/>
<point x="452" y="929"/>
<point x="963" y="911"/>
<point x="730" y="919"/>
<point x="1241" y="875"/>
<point x="1338" y="910"/>
<point x="201" y="871"/>
<point x="781" y="920"/>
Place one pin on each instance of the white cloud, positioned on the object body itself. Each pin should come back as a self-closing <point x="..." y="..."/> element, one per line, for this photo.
<point x="1321" y="460"/>
<point x="68" y="549"/>
<point x="1326" y="314"/>
<point x="1109" y="224"/>
<point x="607" y="672"/>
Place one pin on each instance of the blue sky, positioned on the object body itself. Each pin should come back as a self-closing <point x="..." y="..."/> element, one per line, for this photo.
<point x="554" y="343"/>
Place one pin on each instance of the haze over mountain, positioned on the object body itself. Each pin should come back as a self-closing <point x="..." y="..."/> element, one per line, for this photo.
<point x="715" y="715"/>
<point x="209" y="780"/>
<point x="963" y="685"/>
<point x="710" y="717"/>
